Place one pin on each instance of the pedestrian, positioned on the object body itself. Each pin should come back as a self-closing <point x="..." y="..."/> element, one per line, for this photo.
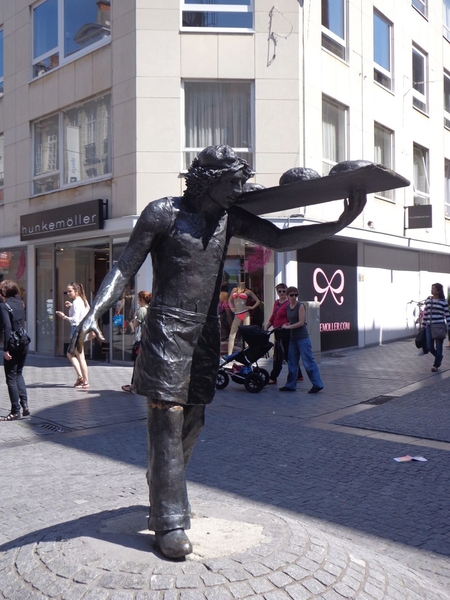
<point x="299" y="345"/>
<point x="78" y="308"/>
<point x="436" y="320"/>
<point x="144" y="299"/>
<point x="12" y="313"/>
<point x="176" y="369"/>
<point x="282" y="336"/>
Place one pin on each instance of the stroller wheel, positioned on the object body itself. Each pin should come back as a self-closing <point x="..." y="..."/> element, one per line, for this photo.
<point x="222" y="379"/>
<point x="254" y="383"/>
<point x="264" y="373"/>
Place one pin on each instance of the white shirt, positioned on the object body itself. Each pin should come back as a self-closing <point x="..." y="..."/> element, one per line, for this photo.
<point x="78" y="311"/>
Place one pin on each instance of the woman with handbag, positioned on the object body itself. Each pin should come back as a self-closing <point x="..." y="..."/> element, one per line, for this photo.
<point x="12" y="317"/>
<point x="435" y="320"/>
<point x="144" y="299"/>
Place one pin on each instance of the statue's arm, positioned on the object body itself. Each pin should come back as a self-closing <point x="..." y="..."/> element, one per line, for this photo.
<point x="115" y="282"/>
<point x="262" y="231"/>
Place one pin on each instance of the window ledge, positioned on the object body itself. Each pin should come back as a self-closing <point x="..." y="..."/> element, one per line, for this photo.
<point x="74" y="185"/>
<point x="420" y="111"/>
<point x="341" y="60"/>
<point x="383" y="87"/>
<point x="218" y="30"/>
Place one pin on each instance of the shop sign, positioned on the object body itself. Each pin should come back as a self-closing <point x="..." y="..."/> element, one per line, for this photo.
<point x="5" y="258"/>
<point x="327" y="275"/>
<point x="77" y="218"/>
<point x="420" y="216"/>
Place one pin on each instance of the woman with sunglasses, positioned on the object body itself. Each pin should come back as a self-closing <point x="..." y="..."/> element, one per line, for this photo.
<point x="300" y="345"/>
<point x="282" y="336"/>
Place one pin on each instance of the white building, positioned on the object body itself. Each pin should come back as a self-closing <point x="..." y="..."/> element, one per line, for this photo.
<point x="105" y="104"/>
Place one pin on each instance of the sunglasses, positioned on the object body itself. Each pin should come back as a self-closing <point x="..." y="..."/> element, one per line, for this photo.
<point x="293" y="295"/>
<point x="281" y="291"/>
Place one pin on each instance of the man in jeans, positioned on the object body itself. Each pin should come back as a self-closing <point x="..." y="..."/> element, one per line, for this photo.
<point x="282" y="336"/>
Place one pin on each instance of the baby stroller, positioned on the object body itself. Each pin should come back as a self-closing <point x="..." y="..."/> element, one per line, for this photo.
<point x="246" y="372"/>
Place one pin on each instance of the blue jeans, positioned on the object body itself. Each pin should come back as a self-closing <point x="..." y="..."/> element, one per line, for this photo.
<point x="302" y="348"/>
<point x="435" y="347"/>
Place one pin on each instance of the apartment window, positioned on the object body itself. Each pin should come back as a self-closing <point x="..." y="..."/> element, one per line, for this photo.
<point x="447" y="100"/>
<point x="419" y="77"/>
<point x="334" y="134"/>
<point x="421" y="6"/>
<point x="447" y="187"/>
<point x="382" y="31"/>
<point x="218" y="112"/>
<point x="227" y="15"/>
<point x="62" y="29"/>
<point x="446" y="19"/>
<point x="334" y="27"/>
<point x="421" y="175"/>
<point x="383" y="152"/>
<point x="1" y="61"/>
<point x="72" y="146"/>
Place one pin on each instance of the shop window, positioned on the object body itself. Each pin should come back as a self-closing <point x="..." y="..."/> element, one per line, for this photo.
<point x="2" y="167"/>
<point x="421" y="181"/>
<point x="419" y="77"/>
<point x="62" y="29"/>
<point x="383" y="152"/>
<point x="218" y="113"/>
<point x="72" y="146"/>
<point x="382" y="31"/>
<point x="447" y="187"/>
<point x="334" y="134"/>
<point x="226" y="15"/>
<point x="421" y="6"/>
<point x="334" y="34"/>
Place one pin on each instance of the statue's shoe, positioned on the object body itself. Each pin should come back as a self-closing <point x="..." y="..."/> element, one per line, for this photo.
<point x="174" y="543"/>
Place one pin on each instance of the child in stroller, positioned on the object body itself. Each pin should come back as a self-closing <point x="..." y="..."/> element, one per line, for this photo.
<point x="247" y="371"/>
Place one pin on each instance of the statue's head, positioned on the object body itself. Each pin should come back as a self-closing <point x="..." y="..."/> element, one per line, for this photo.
<point x="216" y="165"/>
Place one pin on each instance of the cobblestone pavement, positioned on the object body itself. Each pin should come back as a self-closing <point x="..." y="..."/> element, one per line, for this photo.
<point x="307" y="483"/>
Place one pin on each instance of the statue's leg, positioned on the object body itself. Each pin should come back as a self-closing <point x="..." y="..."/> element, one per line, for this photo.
<point x="169" y="507"/>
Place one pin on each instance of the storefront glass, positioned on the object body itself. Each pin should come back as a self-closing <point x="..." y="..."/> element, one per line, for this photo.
<point x="122" y="316"/>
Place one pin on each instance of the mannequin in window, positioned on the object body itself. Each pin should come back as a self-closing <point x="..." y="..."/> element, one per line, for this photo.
<point x="238" y="305"/>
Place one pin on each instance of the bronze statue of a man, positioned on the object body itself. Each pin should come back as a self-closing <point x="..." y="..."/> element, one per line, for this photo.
<point x="188" y="238"/>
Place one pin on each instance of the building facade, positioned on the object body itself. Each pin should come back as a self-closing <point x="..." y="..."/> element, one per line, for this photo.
<point x="105" y="103"/>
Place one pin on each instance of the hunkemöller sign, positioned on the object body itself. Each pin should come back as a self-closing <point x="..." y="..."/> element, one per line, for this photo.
<point x="76" y="218"/>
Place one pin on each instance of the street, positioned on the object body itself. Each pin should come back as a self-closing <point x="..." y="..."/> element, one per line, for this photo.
<point x="298" y="494"/>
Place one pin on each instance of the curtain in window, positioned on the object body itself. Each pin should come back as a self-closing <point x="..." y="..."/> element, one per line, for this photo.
<point x="446" y="13"/>
<point x="217" y="113"/>
<point x="447" y="187"/>
<point x="333" y="132"/>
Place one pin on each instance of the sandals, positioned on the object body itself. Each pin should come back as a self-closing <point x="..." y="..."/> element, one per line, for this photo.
<point x="11" y="417"/>
<point x="127" y="388"/>
<point x="83" y="386"/>
<point x="78" y="382"/>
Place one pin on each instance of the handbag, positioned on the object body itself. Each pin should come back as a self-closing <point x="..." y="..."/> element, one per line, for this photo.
<point x="19" y="337"/>
<point x="421" y="338"/>
<point x="135" y="348"/>
<point x="438" y="331"/>
<point x="118" y="320"/>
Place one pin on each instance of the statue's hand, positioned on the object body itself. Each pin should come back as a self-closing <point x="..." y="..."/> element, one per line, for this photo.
<point x="353" y="207"/>
<point x="89" y="323"/>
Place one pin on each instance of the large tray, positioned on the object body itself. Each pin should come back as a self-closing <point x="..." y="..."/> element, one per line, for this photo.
<point x="373" y="178"/>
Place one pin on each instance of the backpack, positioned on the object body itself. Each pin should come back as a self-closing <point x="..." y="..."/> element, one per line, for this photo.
<point x="19" y="337"/>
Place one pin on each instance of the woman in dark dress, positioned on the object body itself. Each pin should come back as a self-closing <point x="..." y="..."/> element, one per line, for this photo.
<point x="13" y="359"/>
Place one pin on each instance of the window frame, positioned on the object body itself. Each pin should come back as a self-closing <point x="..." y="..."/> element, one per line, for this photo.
<point x="446" y="112"/>
<point x="223" y="7"/>
<point x="328" y="163"/>
<point x="59" y="49"/>
<point x="446" y="20"/>
<point x="420" y="99"/>
<point x="249" y="150"/>
<point x="421" y="196"/>
<point x="388" y="194"/>
<point x="417" y="4"/>
<point x="61" y="169"/>
<point x="2" y="55"/>
<point x="331" y="41"/>
<point x="380" y="72"/>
